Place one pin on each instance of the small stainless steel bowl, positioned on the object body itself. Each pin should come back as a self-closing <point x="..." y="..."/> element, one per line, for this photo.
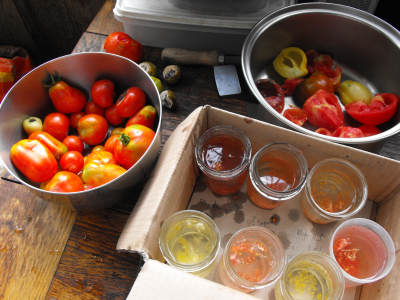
<point x="28" y="97"/>
<point x="366" y="48"/>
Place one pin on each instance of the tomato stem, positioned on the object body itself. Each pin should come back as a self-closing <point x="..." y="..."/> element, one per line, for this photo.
<point x="125" y="139"/>
<point x="54" y="79"/>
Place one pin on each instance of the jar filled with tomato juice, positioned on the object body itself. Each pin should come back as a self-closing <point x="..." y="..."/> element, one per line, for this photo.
<point x="277" y="173"/>
<point x="253" y="258"/>
<point x="223" y="155"/>
<point x="310" y="275"/>
<point x="335" y="190"/>
<point x="364" y="250"/>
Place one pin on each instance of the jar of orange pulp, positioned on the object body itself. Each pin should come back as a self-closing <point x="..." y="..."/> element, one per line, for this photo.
<point x="223" y="155"/>
<point x="253" y="258"/>
<point x="277" y="173"/>
<point x="335" y="190"/>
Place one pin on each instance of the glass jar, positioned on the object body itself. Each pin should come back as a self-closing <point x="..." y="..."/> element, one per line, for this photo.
<point x="223" y="155"/>
<point x="335" y="190"/>
<point x="310" y="275"/>
<point x="364" y="250"/>
<point x="190" y="241"/>
<point x="253" y="258"/>
<point x="277" y="173"/>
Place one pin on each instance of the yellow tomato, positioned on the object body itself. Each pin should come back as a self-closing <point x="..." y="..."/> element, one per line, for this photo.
<point x="352" y="91"/>
<point x="291" y="63"/>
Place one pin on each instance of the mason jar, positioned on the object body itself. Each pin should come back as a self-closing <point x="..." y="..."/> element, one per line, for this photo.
<point x="190" y="241"/>
<point x="223" y="155"/>
<point x="335" y="190"/>
<point x="277" y="173"/>
<point x="253" y="258"/>
<point x="310" y="275"/>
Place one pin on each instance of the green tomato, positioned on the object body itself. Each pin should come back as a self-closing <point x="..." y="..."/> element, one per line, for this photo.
<point x="352" y="91"/>
<point x="158" y="84"/>
<point x="32" y="124"/>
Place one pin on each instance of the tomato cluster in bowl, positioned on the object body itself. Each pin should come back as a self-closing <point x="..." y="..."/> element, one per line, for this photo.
<point x="54" y="157"/>
<point x="313" y="80"/>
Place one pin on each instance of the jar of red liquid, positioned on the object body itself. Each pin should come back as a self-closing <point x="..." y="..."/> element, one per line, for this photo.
<point x="223" y="155"/>
<point x="335" y="190"/>
<point x="253" y="258"/>
<point x="363" y="249"/>
<point x="277" y="173"/>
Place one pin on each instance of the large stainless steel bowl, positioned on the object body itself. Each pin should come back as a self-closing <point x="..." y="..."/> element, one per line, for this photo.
<point x="365" y="47"/>
<point x="28" y="97"/>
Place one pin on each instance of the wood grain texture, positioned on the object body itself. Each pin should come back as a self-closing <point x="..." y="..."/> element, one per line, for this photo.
<point x="33" y="234"/>
<point x="104" y="23"/>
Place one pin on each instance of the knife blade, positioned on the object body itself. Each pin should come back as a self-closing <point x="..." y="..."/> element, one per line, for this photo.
<point x="213" y="58"/>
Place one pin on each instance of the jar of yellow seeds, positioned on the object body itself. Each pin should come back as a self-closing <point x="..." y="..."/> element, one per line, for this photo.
<point x="189" y="241"/>
<point x="310" y="276"/>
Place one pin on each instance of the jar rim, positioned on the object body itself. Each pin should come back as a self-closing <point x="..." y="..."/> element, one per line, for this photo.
<point x="342" y="214"/>
<point x="280" y="258"/>
<point x="264" y="189"/>
<point x="189" y="214"/>
<point x="219" y="130"/>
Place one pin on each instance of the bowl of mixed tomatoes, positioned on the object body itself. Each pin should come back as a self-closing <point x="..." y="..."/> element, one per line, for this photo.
<point x="326" y="70"/>
<point x="82" y="129"/>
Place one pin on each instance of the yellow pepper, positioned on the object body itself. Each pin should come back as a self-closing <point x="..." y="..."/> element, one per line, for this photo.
<point x="291" y="63"/>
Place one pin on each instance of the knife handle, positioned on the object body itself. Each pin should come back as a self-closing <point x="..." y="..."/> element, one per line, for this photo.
<point x="178" y="56"/>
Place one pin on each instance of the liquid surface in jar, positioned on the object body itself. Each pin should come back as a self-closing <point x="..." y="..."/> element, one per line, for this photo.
<point x="251" y="259"/>
<point x="276" y="174"/>
<point x="333" y="191"/>
<point x="308" y="281"/>
<point x="223" y="152"/>
<point x="360" y="252"/>
<point x="190" y="241"/>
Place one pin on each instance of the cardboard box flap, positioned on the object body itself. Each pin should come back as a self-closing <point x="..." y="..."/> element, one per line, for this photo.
<point x="168" y="189"/>
<point x="159" y="281"/>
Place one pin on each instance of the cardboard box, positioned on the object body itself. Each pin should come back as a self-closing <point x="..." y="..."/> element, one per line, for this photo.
<point x="174" y="178"/>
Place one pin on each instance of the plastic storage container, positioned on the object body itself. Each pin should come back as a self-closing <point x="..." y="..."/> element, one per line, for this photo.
<point x="160" y="23"/>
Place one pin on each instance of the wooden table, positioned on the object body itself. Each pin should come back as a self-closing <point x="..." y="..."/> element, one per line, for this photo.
<point x="80" y="260"/>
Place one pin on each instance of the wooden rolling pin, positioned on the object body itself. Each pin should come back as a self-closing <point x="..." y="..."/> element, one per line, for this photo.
<point x="176" y="56"/>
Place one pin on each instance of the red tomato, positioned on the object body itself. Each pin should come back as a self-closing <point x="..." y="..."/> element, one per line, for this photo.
<point x="101" y="158"/>
<point x="110" y="144"/>
<point x="57" y="125"/>
<point x="112" y="116"/>
<point x="122" y="44"/>
<point x="369" y="130"/>
<point x="93" y="108"/>
<point x="66" y="99"/>
<point x="272" y="93"/>
<point x="92" y="129"/>
<point x="117" y="131"/>
<point x="34" y="160"/>
<point x="64" y="182"/>
<point x="133" y="143"/>
<point x="74" y="118"/>
<point x="96" y="174"/>
<point x="145" y="117"/>
<point x="296" y="115"/>
<point x="317" y="61"/>
<point x="323" y="110"/>
<point x="57" y="148"/>
<point x="324" y="131"/>
<point x="334" y="75"/>
<point x="72" y="161"/>
<point x="74" y="143"/>
<point x="380" y="110"/>
<point x="309" y="86"/>
<point x="102" y="93"/>
<point x="289" y="86"/>
<point x="98" y="148"/>
<point x="130" y="102"/>
<point x="348" y="132"/>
